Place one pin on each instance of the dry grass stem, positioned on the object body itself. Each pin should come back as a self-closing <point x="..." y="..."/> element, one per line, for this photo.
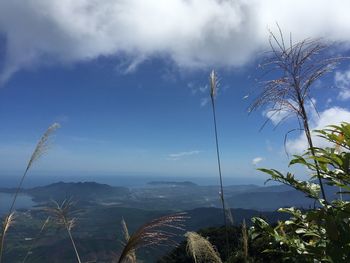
<point x="245" y="241"/>
<point x="9" y="221"/>
<point x="201" y="249"/>
<point x="213" y="91"/>
<point x="229" y="216"/>
<point x="297" y="67"/>
<point x="158" y="232"/>
<point x="61" y="214"/>
<point x="131" y="257"/>
<point x="39" y="150"/>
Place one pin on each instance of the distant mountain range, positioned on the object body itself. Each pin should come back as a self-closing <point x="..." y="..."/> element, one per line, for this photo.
<point x="170" y="195"/>
<point x="100" y="208"/>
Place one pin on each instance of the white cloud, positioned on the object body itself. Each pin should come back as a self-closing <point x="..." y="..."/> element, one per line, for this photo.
<point x="281" y="113"/>
<point x="257" y="160"/>
<point x="342" y="81"/>
<point x="330" y="116"/>
<point x="177" y="156"/>
<point x="193" y="33"/>
<point x="276" y="116"/>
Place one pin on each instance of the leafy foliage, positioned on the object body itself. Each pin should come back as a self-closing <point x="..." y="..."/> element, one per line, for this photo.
<point x="321" y="234"/>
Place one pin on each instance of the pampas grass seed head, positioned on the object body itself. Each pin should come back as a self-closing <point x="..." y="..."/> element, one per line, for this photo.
<point x="213" y="83"/>
<point x="201" y="249"/>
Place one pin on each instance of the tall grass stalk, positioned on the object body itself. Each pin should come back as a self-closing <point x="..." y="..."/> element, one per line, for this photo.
<point x="213" y="91"/>
<point x="295" y="67"/>
<point x="61" y="214"/>
<point x="153" y="233"/>
<point x="9" y="221"/>
<point x="39" y="150"/>
<point x="245" y="241"/>
<point x="131" y="257"/>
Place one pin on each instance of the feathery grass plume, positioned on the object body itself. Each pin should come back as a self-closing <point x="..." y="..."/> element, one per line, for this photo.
<point x="8" y="222"/>
<point x="229" y="216"/>
<point x="213" y="83"/>
<point x="29" y="251"/>
<point x="297" y="67"/>
<point x="154" y="233"/>
<point x="131" y="257"/>
<point x="201" y="249"/>
<point x="213" y="91"/>
<point x="245" y="241"/>
<point x="39" y="150"/>
<point x="61" y="214"/>
<point x="43" y="145"/>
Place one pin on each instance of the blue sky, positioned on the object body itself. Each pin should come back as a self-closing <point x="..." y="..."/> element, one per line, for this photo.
<point x="135" y="102"/>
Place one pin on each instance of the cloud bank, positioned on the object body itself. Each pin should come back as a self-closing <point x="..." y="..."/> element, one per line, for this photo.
<point x="192" y="33"/>
<point x="331" y="116"/>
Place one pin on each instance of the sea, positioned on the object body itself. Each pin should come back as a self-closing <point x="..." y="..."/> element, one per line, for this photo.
<point x="23" y="201"/>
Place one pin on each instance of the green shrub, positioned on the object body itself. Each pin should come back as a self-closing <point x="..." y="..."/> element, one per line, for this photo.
<point x="321" y="234"/>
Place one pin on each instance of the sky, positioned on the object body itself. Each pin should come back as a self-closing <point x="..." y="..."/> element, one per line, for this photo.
<point x="128" y="82"/>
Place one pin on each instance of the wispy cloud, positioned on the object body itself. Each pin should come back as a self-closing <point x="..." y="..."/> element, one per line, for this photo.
<point x="129" y="66"/>
<point x="201" y="91"/>
<point x="204" y="101"/>
<point x="342" y="82"/>
<point x="329" y="102"/>
<point x="257" y="160"/>
<point x="195" y="89"/>
<point x="180" y="155"/>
